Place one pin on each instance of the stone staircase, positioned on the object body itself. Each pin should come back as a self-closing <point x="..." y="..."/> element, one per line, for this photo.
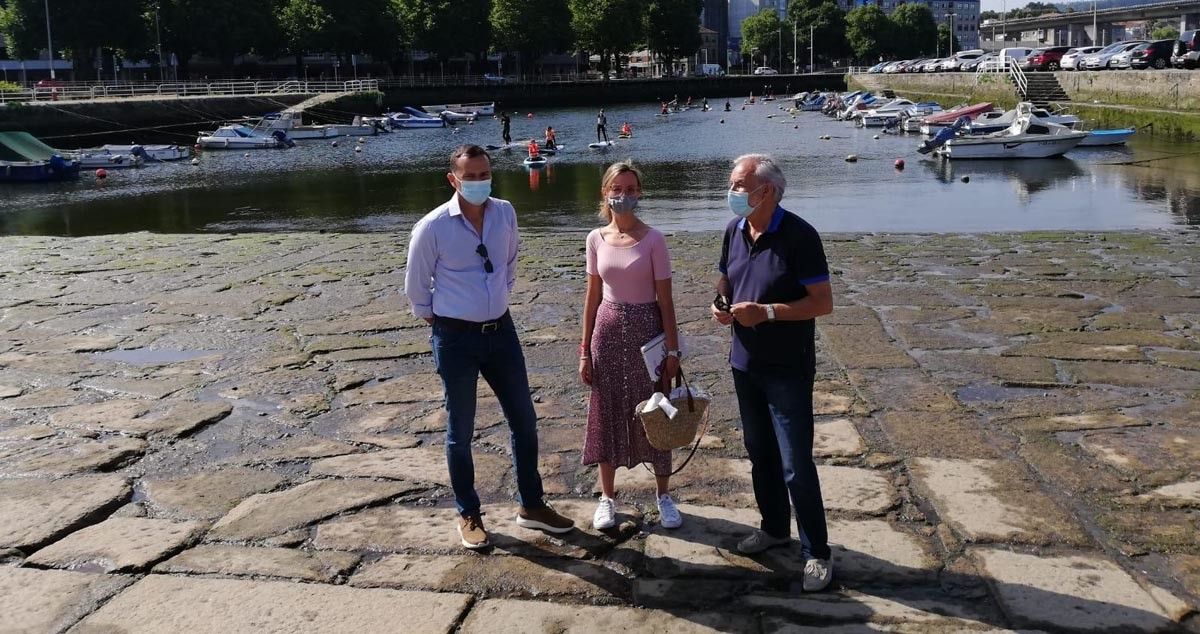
<point x="1042" y="89"/>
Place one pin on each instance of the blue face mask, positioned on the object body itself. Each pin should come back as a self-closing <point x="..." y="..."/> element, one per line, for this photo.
<point x="739" y="202"/>
<point x="622" y="204"/>
<point x="475" y="192"/>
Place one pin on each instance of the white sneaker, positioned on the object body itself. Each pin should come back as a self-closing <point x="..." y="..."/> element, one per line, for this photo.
<point x="817" y="574"/>
<point x="606" y="514"/>
<point x="668" y="514"/>
<point x="759" y="541"/>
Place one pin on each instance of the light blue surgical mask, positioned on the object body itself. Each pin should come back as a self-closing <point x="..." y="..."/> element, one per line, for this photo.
<point x="475" y="192"/>
<point x="739" y="202"/>
<point x="622" y="204"/>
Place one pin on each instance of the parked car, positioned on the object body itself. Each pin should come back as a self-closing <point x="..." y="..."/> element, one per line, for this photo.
<point x="972" y="65"/>
<point x="1152" y="54"/>
<point x="915" y="65"/>
<point x="493" y="79"/>
<point x="878" y="68"/>
<point x="1070" y="60"/>
<point x="956" y="62"/>
<point x="1045" y="58"/>
<point x="1187" y="50"/>
<point x="1102" y="59"/>
<point x="765" y="70"/>
<point x="932" y="66"/>
<point x="897" y="66"/>
<point x="1016" y="53"/>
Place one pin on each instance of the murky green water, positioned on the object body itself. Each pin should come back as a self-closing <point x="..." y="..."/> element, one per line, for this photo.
<point x="398" y="177"/>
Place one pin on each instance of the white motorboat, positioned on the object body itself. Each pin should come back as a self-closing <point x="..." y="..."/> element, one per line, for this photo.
<point x="236" y="136"/>
<point x="96" y="158"/>
<point x="413" y="118"/>
<point x="1102" y="138"/>
<point x="996" y="120"/>
<point x="361" y="126"/>
<point x="1025" y="138"/>
<point x="451" y="115"/>
<point x="150" y="152"/>
<point x="485" y="109"/>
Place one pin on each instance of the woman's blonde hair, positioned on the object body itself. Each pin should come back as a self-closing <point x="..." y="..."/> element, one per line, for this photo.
<point x="611" y="174"/>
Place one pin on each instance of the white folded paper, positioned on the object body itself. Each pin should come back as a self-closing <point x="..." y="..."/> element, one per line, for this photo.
<point x="659" y="401"/>
<point x="682" y="392"/>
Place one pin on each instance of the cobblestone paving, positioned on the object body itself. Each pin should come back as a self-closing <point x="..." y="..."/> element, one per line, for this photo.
<point x="242" y="433"/>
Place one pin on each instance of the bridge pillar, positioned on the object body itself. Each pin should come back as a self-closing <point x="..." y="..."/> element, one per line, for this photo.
<point x="1189" y="21"/>
<point x="1090" y="36"/>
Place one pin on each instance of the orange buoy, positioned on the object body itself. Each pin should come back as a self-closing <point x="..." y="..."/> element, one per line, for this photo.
<point x="899" y="164"/>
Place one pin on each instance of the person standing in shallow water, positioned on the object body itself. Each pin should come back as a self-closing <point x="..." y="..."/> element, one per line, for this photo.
<point x="601" y="126"/>
<point x="505" y="122"/>
<point x="462" y="262"/>
<point x="774" y="283"/>
<point x="628" y="303"/>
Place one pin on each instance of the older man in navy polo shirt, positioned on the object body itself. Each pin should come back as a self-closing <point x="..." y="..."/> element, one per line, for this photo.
<point x="462" y="264"/>
<point x="774" y="282"/>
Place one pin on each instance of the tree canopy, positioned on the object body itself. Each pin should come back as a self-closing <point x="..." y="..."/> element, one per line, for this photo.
<point x="869" y="32"/>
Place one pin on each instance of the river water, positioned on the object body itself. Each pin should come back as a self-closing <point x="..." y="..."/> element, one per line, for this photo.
<point x="686" y="159"/>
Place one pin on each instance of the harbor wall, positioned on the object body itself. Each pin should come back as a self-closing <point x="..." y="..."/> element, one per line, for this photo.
<point x="1161" y="102"/>
<point x="169" y="120"/>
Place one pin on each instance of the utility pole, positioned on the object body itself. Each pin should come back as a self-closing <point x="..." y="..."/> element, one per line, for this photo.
<point x="1095" y="33"/>
<point x="158" y="33"/>
<point x="795" y="58"/>
<point x="951" y="34"/>
<point x="779" y="44"/>
<point x="812" y="42"/>
<point x="49" y="41"/>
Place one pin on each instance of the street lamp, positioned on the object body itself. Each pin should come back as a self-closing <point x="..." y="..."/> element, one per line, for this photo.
<point x="158" y="35"/>
<point x="951" y="14"/>
<point x="1095" y="33"/>
<point x="49" y="41"/>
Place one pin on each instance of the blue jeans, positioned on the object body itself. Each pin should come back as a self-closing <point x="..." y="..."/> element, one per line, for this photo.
<point x="777" y="427"/>
<point x="461" y="357"/>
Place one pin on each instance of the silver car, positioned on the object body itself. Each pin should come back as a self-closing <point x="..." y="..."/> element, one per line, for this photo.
<point x="1102" y="59"/>
<point x="1070" y="60"/>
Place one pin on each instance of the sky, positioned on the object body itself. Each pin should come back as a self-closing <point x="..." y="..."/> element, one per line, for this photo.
<point x="996" y="5"/>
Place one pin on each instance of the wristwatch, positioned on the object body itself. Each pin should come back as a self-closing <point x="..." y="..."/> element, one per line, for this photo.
<point x="770" y="312"/>
<point x="673" y="353"/>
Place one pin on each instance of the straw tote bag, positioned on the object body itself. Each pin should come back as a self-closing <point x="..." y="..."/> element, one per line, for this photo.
<point x="687" y="427"/>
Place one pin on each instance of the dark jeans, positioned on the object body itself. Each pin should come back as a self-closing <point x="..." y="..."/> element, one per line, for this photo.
<point x="601" y="130"/>
<point x="777" y="426"/>
<point x="461" y="357"/>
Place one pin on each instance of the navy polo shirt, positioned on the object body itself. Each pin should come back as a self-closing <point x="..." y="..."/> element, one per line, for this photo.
<point x="773" y="270"/>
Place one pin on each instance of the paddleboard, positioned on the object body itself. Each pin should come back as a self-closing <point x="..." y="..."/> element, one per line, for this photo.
<point x="538" y="162"/>
<point x="505" y="147"/>
<point x="600" y="145"/>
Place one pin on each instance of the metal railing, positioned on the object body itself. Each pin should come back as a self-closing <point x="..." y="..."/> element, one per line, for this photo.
<point x="1005" y="65"/>
<point x="68" y="91"/>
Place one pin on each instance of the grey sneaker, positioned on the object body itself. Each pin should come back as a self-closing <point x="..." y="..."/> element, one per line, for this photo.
<point x="817" y="574"/>
<point x="759" y="541"/>
<point x="668" y="513"/>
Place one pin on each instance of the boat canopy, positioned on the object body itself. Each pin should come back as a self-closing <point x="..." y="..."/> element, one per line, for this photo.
<point x="23" y="146"/>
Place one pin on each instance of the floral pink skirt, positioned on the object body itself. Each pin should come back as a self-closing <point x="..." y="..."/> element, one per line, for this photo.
<point x="619" y="382"/>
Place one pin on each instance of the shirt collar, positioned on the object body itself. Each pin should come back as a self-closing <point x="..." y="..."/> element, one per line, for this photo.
<point x="776" y="220"/>
<point x="455" y="210"/>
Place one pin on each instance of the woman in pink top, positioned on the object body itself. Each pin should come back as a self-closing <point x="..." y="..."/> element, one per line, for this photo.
<point x="628" y="303"/>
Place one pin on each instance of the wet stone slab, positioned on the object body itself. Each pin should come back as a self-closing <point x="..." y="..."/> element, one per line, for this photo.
<point x="52" y="600"/>
<point x="207" y="495"/>
<point x="270" y="514"/>
<point x="508" y="615"/>
<point x="64" y="456"/>
<point x="422" y="465"/>
<point x="221" y="559"/>
<point x="160" y="603"/>
<point x="1075" y="593"/>
<point x="119" y="544"/>
<point x="34" y="512"/>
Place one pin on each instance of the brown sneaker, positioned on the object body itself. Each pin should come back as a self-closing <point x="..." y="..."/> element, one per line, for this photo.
<point x="544" y="519"/>
<point x="470" y="530"/>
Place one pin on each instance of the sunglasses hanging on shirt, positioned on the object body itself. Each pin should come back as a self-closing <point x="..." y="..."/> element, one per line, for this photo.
<point x="487" y="262"/>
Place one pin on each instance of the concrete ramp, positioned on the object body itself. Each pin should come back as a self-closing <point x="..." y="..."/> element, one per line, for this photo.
<point x="317" y="100"/>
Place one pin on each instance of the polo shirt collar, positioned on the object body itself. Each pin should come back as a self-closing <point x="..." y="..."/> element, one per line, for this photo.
<point x="455" y="210"/>
<point x="776" y="219"/>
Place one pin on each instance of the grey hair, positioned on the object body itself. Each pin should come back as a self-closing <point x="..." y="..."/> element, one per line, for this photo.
<point x="767" y="170"/>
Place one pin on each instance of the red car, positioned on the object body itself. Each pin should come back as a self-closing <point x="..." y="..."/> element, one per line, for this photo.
<point x="1048" y="58"/>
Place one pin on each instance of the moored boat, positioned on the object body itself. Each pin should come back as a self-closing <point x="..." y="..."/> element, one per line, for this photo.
<point x="25" y="159"/>
<point x="1025" y="138"/>
<point x="483" y="108"/>
<point x="236" y="136"/>
<point x="1103" y="138"/>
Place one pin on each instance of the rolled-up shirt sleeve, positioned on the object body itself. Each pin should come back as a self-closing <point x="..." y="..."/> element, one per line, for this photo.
<point x="514" y="244"/>
<point x="418" y="274"/>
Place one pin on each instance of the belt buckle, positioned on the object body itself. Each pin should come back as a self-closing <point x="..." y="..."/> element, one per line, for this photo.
<point x="491" y="326"/>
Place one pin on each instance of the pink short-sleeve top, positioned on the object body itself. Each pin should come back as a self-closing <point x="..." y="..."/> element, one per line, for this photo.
<point x="629" y="272"/>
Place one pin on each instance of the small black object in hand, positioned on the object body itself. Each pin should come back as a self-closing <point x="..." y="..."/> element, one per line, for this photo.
<point x="722" y="303"/>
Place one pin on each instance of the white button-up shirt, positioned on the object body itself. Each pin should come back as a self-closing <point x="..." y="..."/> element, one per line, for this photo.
<point x="445" y="275"/>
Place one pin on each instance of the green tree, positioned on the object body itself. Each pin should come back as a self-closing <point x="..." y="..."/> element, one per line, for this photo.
<point x="531" y="28"/>
<point x="302" y="23"/>
<point x="79" y="29"/>
<point x="825" y="21"/>
<point x="446" y="27"/>
<point x="989" y="15"/>
<point x="869" y="32"/>
<point x="943" y="40"/>
<point x="222" y="29"/>
<point x="915" y="31"/>
<point x="607" y="27"/>
<point x="1165" y="33"/>
<point x="673" y="28"/>
<point x="762" y="36"/>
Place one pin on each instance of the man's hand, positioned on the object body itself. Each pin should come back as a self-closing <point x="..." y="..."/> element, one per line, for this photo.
<point x="723" y="317"/>
<point x="749" y="314"/>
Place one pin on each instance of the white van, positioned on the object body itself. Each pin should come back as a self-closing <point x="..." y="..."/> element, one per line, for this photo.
<point x="956" y="62"/>
<point x="709" y="70"/>
<point x="1016" y="54"/>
